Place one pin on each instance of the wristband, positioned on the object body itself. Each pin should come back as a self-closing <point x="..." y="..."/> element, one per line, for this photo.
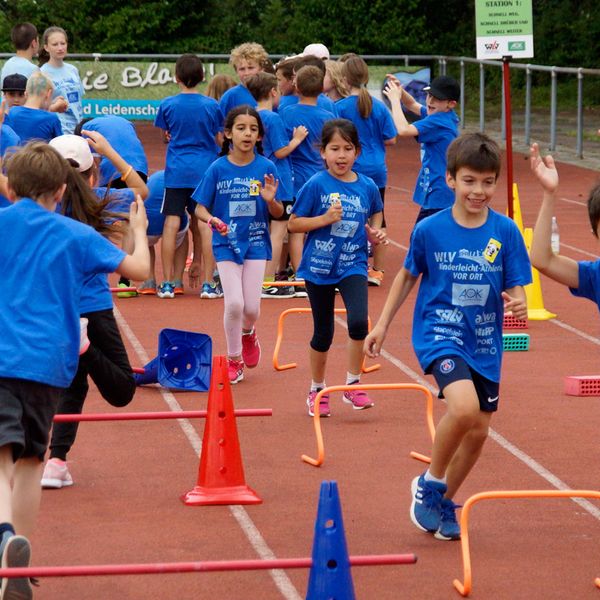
<point x="127" y="173"/>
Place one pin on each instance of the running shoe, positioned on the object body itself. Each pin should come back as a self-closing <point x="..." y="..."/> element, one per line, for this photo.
<point x="299" y="290"/>
<point x="166" y="290"/>
<point x="426" y="506"/>
<point x="250" y="349"/>
<point x="210" y="290"/>
<point x="56" y="474"/>
<point x="359" y="399"/>
<point x="16" y="554"/>
<point x="235" y="370"/>
<point x="323" y="404"/>
<point x="375" y="277"/>
<point x="449" y="529"/>
<point x="178" y="287"/>
<point x="126" y="284"/>
<point x="276" y="291"/>
<point x="148" y="288"/>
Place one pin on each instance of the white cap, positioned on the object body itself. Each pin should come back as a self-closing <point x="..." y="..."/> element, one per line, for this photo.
<point x="76" y="148"/>
<point x="318" y="50"/>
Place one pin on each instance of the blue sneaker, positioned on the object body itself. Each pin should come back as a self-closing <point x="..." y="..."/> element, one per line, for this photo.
<point x="449" y="528"/>
<point x="425" y="509"/>
<point x="209" y="290"/>
<point x="166" y="290"/>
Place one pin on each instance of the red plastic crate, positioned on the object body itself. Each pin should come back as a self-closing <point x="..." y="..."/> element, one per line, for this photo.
<point x="582" y="385"/>
<point x="511" y="322"/>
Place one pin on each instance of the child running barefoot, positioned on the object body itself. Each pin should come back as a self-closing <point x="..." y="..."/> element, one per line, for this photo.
<point x="473" y="265"/>
<point x="235" y="202"/>
<point x="334" y="207"/>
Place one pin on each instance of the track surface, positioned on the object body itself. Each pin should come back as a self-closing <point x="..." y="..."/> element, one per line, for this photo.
<point x="125" y="508"/>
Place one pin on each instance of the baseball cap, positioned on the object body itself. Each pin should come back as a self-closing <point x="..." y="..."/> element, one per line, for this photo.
<point x="76" y="148"/>
<point x="318" y="50"/>
<point x="444" y="88"/>
<point x="14" y="83"/>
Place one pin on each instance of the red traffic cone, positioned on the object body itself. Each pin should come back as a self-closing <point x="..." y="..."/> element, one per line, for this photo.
<point x="221" y="474"/>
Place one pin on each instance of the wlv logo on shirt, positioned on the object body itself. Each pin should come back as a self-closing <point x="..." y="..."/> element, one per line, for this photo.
<point x="344" y="228"/>
<point x="324" y="248"/>
<point x="245" y="208"/>
<point x="465" y="294"/>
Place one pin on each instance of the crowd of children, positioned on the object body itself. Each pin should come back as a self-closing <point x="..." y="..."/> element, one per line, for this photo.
<point x="289" y="162"/>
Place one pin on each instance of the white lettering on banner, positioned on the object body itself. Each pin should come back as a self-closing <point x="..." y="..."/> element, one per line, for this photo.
<point x="132" y="76"/>
<point x="99" y="82"/>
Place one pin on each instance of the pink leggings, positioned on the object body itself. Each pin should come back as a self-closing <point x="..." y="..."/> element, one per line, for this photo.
<point x="242" y="287"/>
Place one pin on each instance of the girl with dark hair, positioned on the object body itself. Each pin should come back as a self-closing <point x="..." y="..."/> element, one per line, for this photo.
<point x="235" y="198"/>
<point x="334" y="207"/>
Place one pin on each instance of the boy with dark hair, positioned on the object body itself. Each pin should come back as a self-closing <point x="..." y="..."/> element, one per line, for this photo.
<point x="42" y="335"/>
<point x="436" y="128"/>
<point x="306" y="158"/>
<point x="473" y="264"/>
<point x="277" y="146"/>
<point x="25" y="39"/>
<point x="194" y="123"/>
<point x="13" y="90"/>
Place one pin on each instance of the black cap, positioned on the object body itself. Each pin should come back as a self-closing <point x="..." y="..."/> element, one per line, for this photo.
<point x="14" y="83"/>
<point x="444" y="88"/>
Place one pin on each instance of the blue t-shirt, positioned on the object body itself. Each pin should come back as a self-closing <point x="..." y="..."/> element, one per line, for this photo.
<point x="193" y="120"/>
<point x="33" y="124"/>
<point x="372" y="132"/>
<point x="232" y="193"/>
<point x="46" y="254"/>
<point x="18" y="65"/>
<point x="67" y="83"/>
<point x="436" y="133"/>
<point x="236" y="96"/>
<point x="589" y="281"/>
<point x="276" y="138"/>
<point x="459" y="308"/>
<point x="338" y="250"/>
<point x="122" y="137"/>
<point x="153" y="204"/>
<point x="119" y="199"/>
<point x="8" y="139"/>
<point x="323" y="102"/>
<point x="306" y="158"/>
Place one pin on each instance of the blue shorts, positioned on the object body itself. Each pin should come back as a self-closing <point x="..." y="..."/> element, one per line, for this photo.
<point x="448" y="369"/>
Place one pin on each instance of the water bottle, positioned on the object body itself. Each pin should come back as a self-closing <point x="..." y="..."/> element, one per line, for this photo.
<point x="555" y="237"/>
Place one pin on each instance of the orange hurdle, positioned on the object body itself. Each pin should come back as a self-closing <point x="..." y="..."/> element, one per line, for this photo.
<point x="464" y="589"/>
<point x="317" y="462"/>
<point x="293" y="365"/>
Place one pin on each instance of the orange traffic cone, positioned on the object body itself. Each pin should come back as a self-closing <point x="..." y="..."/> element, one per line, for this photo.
<point x="221" y="474"/>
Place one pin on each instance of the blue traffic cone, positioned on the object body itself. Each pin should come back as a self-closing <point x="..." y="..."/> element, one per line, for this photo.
<point x="184" y="360"/>
<point x="150" y="374"/>
<point x="330" y="575"/>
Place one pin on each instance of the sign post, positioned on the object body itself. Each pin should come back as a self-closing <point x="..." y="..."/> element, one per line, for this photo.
<point x="504" y="29"/>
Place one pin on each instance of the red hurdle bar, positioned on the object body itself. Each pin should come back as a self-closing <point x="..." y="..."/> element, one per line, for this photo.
<point x="156" y="416"/>
<point x="200" y="567"/>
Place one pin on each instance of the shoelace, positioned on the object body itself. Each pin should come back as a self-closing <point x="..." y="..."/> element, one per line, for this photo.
<point x="447" y="511"/>
<point x="429" y="496"/>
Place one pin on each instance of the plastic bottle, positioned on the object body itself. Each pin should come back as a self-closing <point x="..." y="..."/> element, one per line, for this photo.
<point x="555" y="237"/>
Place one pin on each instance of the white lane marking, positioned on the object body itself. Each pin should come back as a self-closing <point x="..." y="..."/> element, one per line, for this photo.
<point x="280" y="578"/>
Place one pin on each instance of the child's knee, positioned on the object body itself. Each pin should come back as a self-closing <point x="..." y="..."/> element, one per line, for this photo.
<point x="358" y="329"/>
<point x="321" y="341"/>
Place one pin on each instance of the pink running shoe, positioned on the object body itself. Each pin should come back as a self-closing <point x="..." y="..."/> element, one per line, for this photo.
<point x="56" y="474"/>
<point x="323" y="404"/>
<point x="250" y="349"/>
<point x="235" y="370"/>
<point x="359" y="399"/>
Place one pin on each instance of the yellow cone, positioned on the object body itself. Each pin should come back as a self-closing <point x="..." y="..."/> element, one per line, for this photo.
<point x="533" y="291"/>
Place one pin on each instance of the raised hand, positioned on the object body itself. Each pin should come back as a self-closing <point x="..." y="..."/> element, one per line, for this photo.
<point x="544" y="169"/>
<point x="269" y="189"/>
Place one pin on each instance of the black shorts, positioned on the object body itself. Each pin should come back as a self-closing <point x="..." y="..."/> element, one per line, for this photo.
<point x="287" y="211"/>
<point x="448" y="369"/>
<point x="176" y="200"/>
<point x="26" y="412"/>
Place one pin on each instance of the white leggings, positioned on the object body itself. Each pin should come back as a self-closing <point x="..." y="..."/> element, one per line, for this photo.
<point x="242" y="287"/>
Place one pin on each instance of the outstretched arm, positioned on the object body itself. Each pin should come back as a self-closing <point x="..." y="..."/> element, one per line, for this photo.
<point x="395" y="94"/>
<point x="563" y="269"/>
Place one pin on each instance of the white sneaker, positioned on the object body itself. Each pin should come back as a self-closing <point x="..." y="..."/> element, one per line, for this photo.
<point x="56" y="474"/>
<point x="84" y="342"/>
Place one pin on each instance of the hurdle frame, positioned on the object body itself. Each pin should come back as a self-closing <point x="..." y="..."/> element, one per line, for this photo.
<point x="464" y="588"/>
<point x="317" y="462"/>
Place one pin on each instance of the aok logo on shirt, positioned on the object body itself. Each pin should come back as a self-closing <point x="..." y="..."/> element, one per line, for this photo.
<point x="464" y="294"/>
<point x="242" y="209"/>
<point x="344" y="228"/>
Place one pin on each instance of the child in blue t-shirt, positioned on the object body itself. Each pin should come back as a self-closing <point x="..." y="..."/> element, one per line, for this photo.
<point x="473" y="265"/>
<point x="194" y="124"/>
<point x="334" y="208"/>
<point x="277" y="146"/>
<point x="582" y="277"/>
<point x="436" y="128"/>
<point x="376" y="130"/>
<point x="49" y="257"/>
<point x="236" y="197"/>
<point x="32" y="120"/>
<point x="64" y="76"/>
<point x="306" y="158"/>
